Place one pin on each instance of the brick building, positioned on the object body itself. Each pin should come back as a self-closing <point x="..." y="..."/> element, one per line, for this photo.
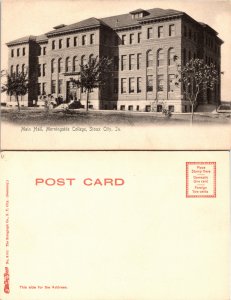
<point x="142" y="45"/>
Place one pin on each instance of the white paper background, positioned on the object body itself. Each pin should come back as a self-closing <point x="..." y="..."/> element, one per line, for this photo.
<point x="143" y="240"/>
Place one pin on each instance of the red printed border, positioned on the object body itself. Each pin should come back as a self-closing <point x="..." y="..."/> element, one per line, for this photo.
<point x="214" y="180"/>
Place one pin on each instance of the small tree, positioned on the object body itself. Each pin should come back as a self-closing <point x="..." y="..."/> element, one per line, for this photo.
<point x="16" y="85"/>
<point x="195" y="77"/>
<point x="92" y="75"/>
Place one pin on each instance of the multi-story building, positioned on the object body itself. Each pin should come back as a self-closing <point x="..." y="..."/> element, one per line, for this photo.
<point x="142" y="44"/>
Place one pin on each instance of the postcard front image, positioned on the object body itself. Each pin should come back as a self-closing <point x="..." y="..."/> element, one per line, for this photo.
<point x="98" y="75"/>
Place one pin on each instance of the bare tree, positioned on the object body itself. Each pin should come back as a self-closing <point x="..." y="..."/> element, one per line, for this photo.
<point x="93" y="74"/>
<point x="16" y="85"/>
<point x="195" y="77"/>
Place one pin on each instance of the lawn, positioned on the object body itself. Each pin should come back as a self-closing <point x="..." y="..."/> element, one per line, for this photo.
<point x="39" y="116"/>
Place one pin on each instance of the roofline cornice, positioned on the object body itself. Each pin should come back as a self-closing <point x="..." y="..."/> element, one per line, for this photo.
<point x="18" y="43"/>
<point x="128" y="27"/>
<point x="86" y="28"/>
<point x="158" y="19"/>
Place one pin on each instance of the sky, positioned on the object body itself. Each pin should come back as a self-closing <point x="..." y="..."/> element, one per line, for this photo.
<point x="34" y="17"/>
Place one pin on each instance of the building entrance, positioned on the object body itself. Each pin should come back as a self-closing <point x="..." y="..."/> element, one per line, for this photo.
<point x="71" y="91"/>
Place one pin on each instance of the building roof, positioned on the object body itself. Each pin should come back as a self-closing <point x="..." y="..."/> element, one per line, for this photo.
<point x="126" y="20"/>
<point x="79" y="25"/>
<point x="22" y="40"/>
<point x="41" y="38"/>
<point x="114" y="22"/>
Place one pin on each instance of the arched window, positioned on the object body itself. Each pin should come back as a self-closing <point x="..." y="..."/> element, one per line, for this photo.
<point x="75" y="63"/>
<point x="160" y="57"/>
<point x="91" y="57"/>
<point x="171" y="54"/>
<point x="83" y="60"/>
<point x="60" y="65"/>
<point x="53" y="65"/>
<point x="68" y="64"/>
<point x="23" y="68"/>
<point x="149" y="58"/>
<point x="11" y="70"/>
<point x="17" y="69"/>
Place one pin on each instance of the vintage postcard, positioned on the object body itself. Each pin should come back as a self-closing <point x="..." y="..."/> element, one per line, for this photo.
<point x="103" y="74"/>
<point x="115" y="225"/>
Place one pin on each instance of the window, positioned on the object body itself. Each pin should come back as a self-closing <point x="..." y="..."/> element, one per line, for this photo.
<point x="12" y="52"/>
<point x="150" y="33"/>
<point x="39" y="89"/>
<point x="159" y="108"/>
<point x="148" y="108"/>
<point x="68" y="42"/>
<point x="44" y="69"/>
<point x="137" y="107"/>
<point x="131" y="61"/>
<point x="124" y="39"/>
<point x="123" y="62"/>
<point x="115" y="86"/>
<point x="68" y="64"/>
<point x="75" y="41"/>
<point x="149" y="83"/>
<point x="160" y="57"/>
<point x="17" y="69"/>
<point x="39" y="51"/>
<point x="39" y="70"/>
<point x="53" y="86"/>
<point x="83" y="60"/>
<point x="160" y="31"/>
<point x="171" y="30"/>
<point x="23" y="51"/>
<point x="149" y="58"/>
<point x="53" y="65"/>
<point x="44" y="90"/>
<point x="44" y="50"/>
<point x="84" y="40"/>
<point x="18" y="51"/>
<point x="138" y="61"/>
<point x="160" y="83"/>
<point x="60" y="65"/>
<point x="123" y="85"/>
<point x="75" y="63"/>
<point x="60" y="87"/>
<point x="122" y="107"/>
<point x="130" y="107"/>
<point x="60" y="44"/>
<point x="23" y="68"/>
<point x="171" y="108"/>
<point x="139" y="85"/>
<point x="92" y="39"/>
<point x="11" y="70"/>
<point x="131" y="85"/>
<point x="171" y="84"/>
<point x="53" y="45"/>
<point x="116" y="63"/>
<point x="171" y="54"/>
<point x="91" y="58"/>
<point x="132" y="38"/>
<point x="139" y="37"/>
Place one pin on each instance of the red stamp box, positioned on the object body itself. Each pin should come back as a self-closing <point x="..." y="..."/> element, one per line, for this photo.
<point x="200" y="179"/>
